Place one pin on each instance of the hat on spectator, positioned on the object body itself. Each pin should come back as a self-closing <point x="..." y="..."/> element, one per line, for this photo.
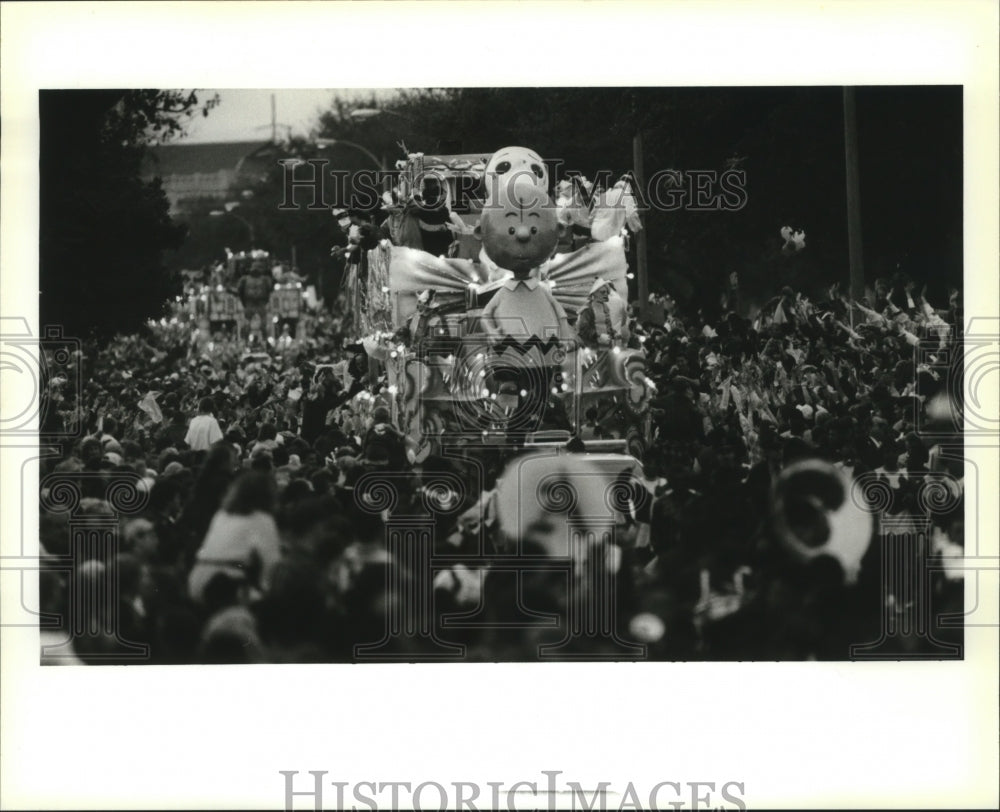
<point x="598" y="284"/>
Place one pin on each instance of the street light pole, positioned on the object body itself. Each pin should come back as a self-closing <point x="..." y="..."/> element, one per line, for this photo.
<point x="640" y="180"/>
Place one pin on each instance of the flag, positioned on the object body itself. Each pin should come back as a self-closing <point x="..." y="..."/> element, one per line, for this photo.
<point x="737" y="398"/>
<point x="149" y="405"/>
<point x="779" y="315"/>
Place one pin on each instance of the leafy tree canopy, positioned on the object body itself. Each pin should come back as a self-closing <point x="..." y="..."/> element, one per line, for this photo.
<point x="102" y="229"/>
<point x="788" y="140"/>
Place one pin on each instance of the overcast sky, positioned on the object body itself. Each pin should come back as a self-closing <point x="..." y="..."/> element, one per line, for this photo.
<point x="245" y="115"/>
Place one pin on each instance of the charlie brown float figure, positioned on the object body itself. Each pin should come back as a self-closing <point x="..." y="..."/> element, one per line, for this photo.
<point x="524" y="289"/>
<point x="520" y="231"/>
<point x="528" y="327"/>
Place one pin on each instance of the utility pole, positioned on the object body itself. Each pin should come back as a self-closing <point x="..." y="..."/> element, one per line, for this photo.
<point x="853" y="196"/>
<point x="274" y="121"/>
<point x="640" y="181"/>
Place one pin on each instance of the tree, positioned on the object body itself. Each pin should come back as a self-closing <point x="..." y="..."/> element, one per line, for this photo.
<point x="102" y="229"/>
<point x="287" y="229"/>
<point x="295" y="225"/>
<point x="788" y="140"/>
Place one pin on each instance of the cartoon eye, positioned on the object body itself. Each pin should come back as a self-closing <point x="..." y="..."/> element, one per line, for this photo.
<point x="503" y="167"/>
<point x="537" y="170"/>
<point x="510" y="230"/>
<point x="534" y="230"/>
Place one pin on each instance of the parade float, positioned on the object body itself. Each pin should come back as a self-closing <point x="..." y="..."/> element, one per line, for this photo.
<point x="502" y="334"/>
<point x="250" y="296"/>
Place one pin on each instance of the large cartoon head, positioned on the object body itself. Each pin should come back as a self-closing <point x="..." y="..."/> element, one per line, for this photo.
<point x="514" y="166"/>
<point x="520" y="228"/>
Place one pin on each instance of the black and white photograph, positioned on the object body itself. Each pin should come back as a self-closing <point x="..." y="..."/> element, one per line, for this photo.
<point x="597" y="378"/>
<point x="449" y="376"/>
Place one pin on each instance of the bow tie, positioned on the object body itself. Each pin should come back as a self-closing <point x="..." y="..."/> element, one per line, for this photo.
<point x="496" y="272"/>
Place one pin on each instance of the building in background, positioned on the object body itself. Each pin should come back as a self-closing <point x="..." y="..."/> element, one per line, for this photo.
<point x="192" y="171"/>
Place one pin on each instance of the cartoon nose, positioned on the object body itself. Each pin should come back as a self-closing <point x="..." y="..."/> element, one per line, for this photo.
<point x="523" y="233"/>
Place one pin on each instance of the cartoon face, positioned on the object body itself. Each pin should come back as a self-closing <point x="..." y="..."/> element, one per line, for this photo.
<point x="520" y="230"/>
<point x="514" y="166"/>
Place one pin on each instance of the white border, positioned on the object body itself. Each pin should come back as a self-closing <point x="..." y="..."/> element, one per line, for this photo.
<point x="799" y="735"/>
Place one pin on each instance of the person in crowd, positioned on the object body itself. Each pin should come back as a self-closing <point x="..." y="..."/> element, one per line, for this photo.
<point x="255" y="545"/>
<point x="242" y="537"/>
<point x="214" y="477"/>
<point x="106" y="435"/>
<point x="173" y="431"/>
<point x="603" y="323"/>
<point x="325" y="393"/>
<point x="254" y="291"/>
<point x="204" y="429"/>
<point x="91" y="454"/>
<point x="267" y="440"/>
<point x="384" y="443"/>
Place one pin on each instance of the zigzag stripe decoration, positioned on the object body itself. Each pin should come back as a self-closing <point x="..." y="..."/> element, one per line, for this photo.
<point x="532" y="343"/>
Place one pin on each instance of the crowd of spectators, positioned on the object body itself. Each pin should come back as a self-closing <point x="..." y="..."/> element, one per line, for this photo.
<point x="255" y="538"/>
